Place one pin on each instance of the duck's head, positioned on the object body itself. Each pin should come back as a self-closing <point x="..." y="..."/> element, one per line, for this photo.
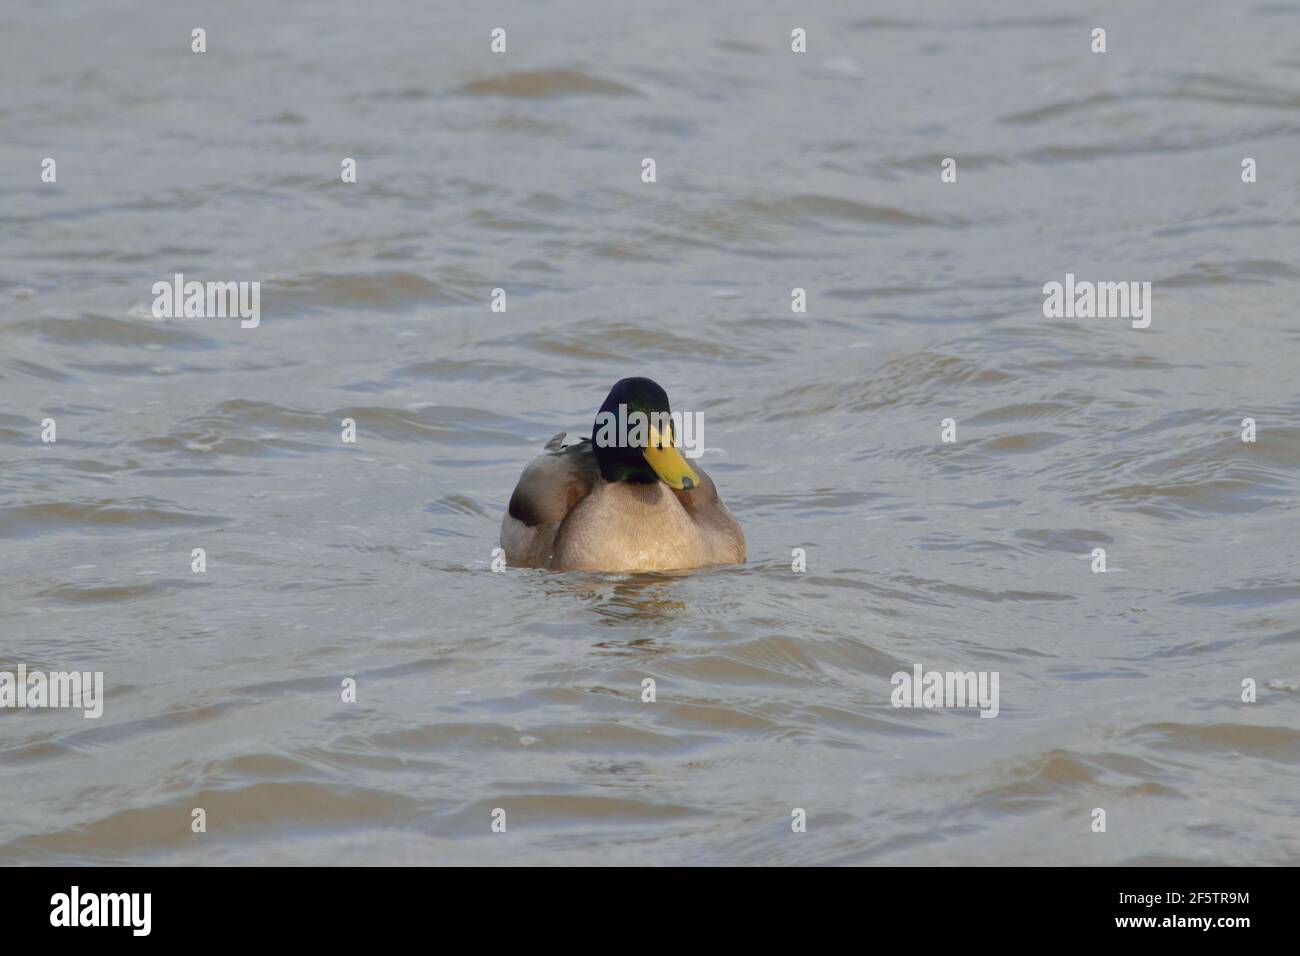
<point x="639" y="447"/>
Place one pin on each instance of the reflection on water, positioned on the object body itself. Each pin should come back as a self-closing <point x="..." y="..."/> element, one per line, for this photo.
<point x="641" y="598"/>
<point x="524" y="690"/>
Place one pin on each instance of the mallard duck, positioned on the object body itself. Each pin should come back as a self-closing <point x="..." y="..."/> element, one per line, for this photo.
<point x="619" y="501"/>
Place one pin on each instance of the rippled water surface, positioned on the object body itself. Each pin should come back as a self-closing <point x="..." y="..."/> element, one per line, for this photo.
<point x="775" y="170"/>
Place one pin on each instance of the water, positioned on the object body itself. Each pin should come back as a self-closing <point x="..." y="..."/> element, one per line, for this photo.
<point x="775" y="170"/>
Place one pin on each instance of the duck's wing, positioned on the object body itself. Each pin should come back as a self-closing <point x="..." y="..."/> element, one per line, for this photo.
<point x="554" y="482"/>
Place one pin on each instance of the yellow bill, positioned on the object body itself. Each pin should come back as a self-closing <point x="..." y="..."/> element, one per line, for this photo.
<point x="669" y="463"/>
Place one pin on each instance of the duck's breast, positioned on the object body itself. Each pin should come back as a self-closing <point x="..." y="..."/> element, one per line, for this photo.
<point x="630" y="527"/>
